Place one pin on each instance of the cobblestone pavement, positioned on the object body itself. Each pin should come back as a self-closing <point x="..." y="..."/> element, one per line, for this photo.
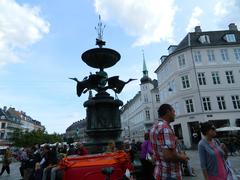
<point x="194" y="160"/>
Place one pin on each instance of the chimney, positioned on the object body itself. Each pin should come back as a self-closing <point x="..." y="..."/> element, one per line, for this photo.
<point x="232" y="27"/>
<point x="198" y="29"/>
<point x="5" y="108"/>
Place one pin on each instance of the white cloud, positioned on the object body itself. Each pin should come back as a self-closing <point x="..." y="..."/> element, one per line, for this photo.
<point x="227" y="12"/>
<point x="194" y="21"/>
<point x="220" y="9"/>
<point x="20" y="26"/>
<point x="149" y="21"/>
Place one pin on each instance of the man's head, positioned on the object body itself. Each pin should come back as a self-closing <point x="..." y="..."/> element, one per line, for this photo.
<point x="46" y="148"/>
<point x="166" y="112"/>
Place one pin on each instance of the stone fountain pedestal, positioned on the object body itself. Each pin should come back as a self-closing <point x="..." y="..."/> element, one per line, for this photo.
<point x="103" y="122"/>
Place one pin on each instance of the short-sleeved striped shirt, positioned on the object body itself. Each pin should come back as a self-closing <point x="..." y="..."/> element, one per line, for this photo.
<point x="163" y="137"/>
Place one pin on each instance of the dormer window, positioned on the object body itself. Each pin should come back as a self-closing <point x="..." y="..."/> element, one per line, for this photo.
<point x="2" y="117"/>
<point x="204" y="39"/>
<point x="230" y="38"/>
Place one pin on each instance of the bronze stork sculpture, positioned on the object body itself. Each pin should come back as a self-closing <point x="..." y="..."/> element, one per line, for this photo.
<point x="93" y="83"/>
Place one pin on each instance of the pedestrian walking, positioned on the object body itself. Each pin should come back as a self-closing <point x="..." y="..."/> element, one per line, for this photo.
<point x="146" y="158"/>
<point x="163" y="139"/>
<point x="6" y="161"/>
<point x="212" y="155"/>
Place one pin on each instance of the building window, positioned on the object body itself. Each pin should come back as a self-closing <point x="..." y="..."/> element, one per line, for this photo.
<point x="2" y="135"/>
<point x="201" y="78"/>
<point x="145" y="98"/>
<point x="221" y="102"/>
<point x="185" y="82"/>
<point x="157" y="98"/>
<point x="224" y="54"/>
<point x="236" y="102"/>
<point x="204" y="39"/>
<point x="211" y="56"/>
<point x="189" y="105"/>
<point x="177" y="108"/>
<point x="216" y="78"/>
<point x="171" y="86"/>
<point x="181" y="61"/>
<point x="206" y="103"/>
<point x="197" y="57"/>
<point x="237" y="53"/>
<point x="229" y="76"/>
<point x="230" y="38"/>
<point x="147" y="114"/>
<point x="3" y="126"/>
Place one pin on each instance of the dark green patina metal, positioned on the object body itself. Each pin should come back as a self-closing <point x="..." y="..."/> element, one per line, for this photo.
<point x="103" y="114"/>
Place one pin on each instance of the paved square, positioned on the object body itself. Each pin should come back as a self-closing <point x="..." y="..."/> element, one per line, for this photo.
<point x="193" y="155"/>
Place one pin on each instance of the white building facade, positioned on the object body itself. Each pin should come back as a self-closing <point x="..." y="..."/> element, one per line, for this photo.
<point x="138" y="114"/>
<point x="11" y="120"/>
<point x="200" y="78"/>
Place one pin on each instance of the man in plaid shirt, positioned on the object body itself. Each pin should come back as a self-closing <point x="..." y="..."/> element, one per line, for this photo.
<point x="163" y="139"/>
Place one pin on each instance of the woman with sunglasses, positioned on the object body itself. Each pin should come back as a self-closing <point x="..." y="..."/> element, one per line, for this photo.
<point x="212" y="154"/>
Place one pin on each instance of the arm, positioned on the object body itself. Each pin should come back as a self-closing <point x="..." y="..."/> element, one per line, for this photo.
<point x="173" y="156"/>
<point x="169" y="147"/>
<point x="203" y="160"/>
<point x="224" y="148"/>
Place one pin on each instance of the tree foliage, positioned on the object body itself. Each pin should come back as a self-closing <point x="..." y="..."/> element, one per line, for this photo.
<point x="27" y="139"/>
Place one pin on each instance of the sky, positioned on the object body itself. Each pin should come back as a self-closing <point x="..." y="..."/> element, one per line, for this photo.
<point x="41" y="42"/>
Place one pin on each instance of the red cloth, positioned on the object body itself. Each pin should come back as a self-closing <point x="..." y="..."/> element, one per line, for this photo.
<point x="90" y="166"/>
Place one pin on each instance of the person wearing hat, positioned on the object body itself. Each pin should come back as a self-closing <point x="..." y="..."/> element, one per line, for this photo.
<point x="211" y="153"/>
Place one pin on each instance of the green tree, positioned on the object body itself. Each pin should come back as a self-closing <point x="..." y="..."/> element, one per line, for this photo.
<point x="27" y="139"/>
<point x="17" y="137"/>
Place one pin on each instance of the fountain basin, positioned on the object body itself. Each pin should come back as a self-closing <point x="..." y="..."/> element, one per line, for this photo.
<point x="101" y="57"/>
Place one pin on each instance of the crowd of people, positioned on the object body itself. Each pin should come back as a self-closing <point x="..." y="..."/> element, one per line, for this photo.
<point x="162" y="154"/>
<point x="41" y="162"/>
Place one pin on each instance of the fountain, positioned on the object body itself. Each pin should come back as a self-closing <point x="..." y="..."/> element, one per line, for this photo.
<point x="102" y="110"/>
